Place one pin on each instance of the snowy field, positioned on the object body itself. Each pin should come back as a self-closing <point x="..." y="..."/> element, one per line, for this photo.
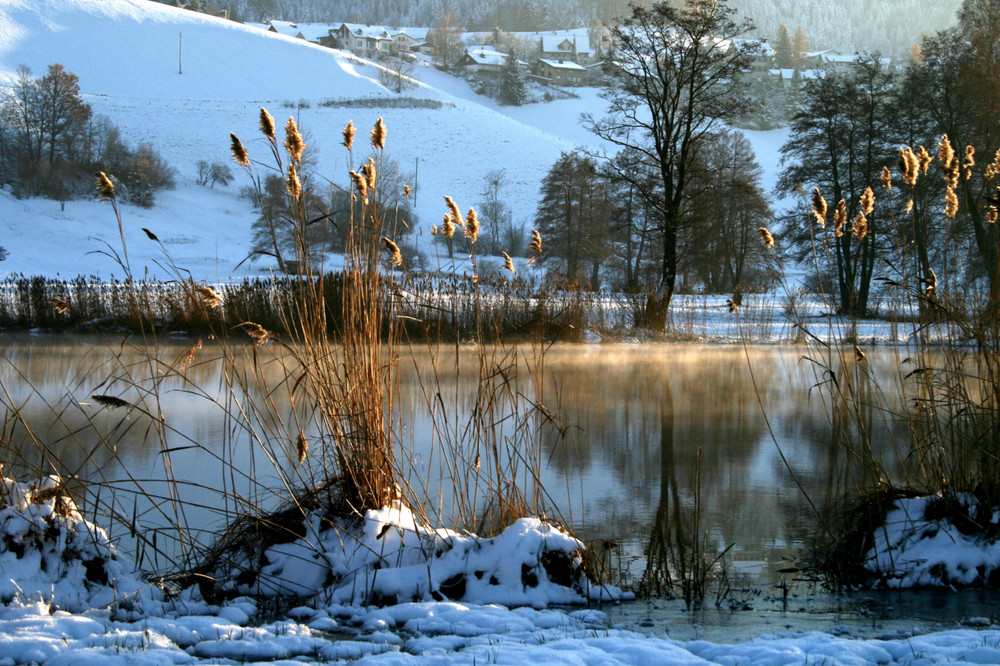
<point x="126" y="54"/>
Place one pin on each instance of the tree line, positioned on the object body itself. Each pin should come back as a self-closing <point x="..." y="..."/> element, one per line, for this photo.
<point x="897" y="170"/>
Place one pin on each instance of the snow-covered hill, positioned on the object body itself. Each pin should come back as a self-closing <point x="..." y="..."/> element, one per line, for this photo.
<point x="182" y="81"/>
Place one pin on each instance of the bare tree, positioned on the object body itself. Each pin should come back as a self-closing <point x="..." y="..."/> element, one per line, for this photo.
<point x="677" y="76"/>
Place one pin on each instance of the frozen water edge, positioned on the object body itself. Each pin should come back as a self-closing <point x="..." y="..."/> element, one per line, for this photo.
<point x="437" y="633"/>
<point x="38" y="523"/>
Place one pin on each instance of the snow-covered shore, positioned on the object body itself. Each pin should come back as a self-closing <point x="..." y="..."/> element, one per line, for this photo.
<point x="69" y="599"/>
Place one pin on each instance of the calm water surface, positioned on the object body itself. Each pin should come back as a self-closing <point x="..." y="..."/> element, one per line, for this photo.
<point x="649" y="437"/>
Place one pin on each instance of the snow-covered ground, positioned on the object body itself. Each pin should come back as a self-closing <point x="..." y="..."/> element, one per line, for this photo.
<point x="182" y="81"/>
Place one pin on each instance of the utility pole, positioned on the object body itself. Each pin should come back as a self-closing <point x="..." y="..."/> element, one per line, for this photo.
<point x="180" y="45"/>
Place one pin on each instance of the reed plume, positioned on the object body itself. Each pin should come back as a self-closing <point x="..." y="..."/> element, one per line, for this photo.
<point x="447" y="227"/>
<point x="860" y="226"/>
<point x="406" y="191"/>
<point x="378" y="135"/>
<point x="867" y="201"/>
<point x="840" y="218"/>
<point x="395" y="256"/>
<point x="950" y="203"/>
<point x="105" y="188"/>
<point x="292" y="182"/>
<point x="508" y="263"/>
<point x="209" y="297"/>
<point x="188" y="357"/>
<point x="348" y="134"/>
<point x="886" y="178"/>
<point x="239" y="152"/>
<point x="257" y="333"/>
<point x="819" y="207"/>
<point x="536" y="242"/>
<point x="991" y="215"/>
<point x="456" y="215"/>
<point x="969" y="161"/>
<point x="909" y="165"/>
<point x="925" y="159"/>
<point x="267" y="125"/>
<point x="370" y="172"/>
<point x="472" y="225"/>
<point x="766" y="237"/>
<point x="361" y="184"/>
<point x="301" y="447"/>
<point x="293" y="140"/>
<point x="59" y="304"/>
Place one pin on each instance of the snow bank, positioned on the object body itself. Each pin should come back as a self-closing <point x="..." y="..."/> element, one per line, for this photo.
<point x="937" y="541"/>
<point x="389" y="557"/>
<point x="48" y="551"/>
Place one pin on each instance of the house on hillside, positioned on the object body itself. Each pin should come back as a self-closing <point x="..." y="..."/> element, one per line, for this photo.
<point x="368" y="41"/>
<point x="561" y="72"/>
<point x="792" y="78"/>
<point x="573" y="48"/>
<point x="317" y="33"/>
<point x="486" y="63"/>
<point x="412" y="40"/>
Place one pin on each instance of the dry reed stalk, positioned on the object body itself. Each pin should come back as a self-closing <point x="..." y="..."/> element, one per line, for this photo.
<point x="819" y="207"/>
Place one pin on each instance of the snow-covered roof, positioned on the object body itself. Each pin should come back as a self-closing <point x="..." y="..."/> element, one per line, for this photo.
<point x="311" y="32"/>
<point x="566" y="43"/>
<point x="563" y="64"/>
<point x="370" y="31"/>
<point x="485" y="57"/>
<point x="419" y="34"/>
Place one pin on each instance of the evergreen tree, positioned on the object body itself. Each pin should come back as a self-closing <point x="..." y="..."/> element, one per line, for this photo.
<point x="512" y="91"/>
<point x="783" y="54"/>
<point x="800" y="47"/>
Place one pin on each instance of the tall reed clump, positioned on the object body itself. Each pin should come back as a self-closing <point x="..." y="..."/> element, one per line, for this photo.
<point x="945" y="403"/>
<point x="347" y="373"/>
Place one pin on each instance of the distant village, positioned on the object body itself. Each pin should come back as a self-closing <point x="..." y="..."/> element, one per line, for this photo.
<point x="562" y="58"/>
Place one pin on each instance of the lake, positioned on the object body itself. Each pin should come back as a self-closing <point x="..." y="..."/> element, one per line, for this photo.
<point x="638" y="443"/>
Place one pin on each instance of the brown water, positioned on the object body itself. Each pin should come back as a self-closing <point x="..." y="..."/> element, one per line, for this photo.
<point x="650" y="439"/>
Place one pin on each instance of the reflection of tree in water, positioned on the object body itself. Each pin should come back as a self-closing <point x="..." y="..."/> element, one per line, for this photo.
<point x="678" y="553"/>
